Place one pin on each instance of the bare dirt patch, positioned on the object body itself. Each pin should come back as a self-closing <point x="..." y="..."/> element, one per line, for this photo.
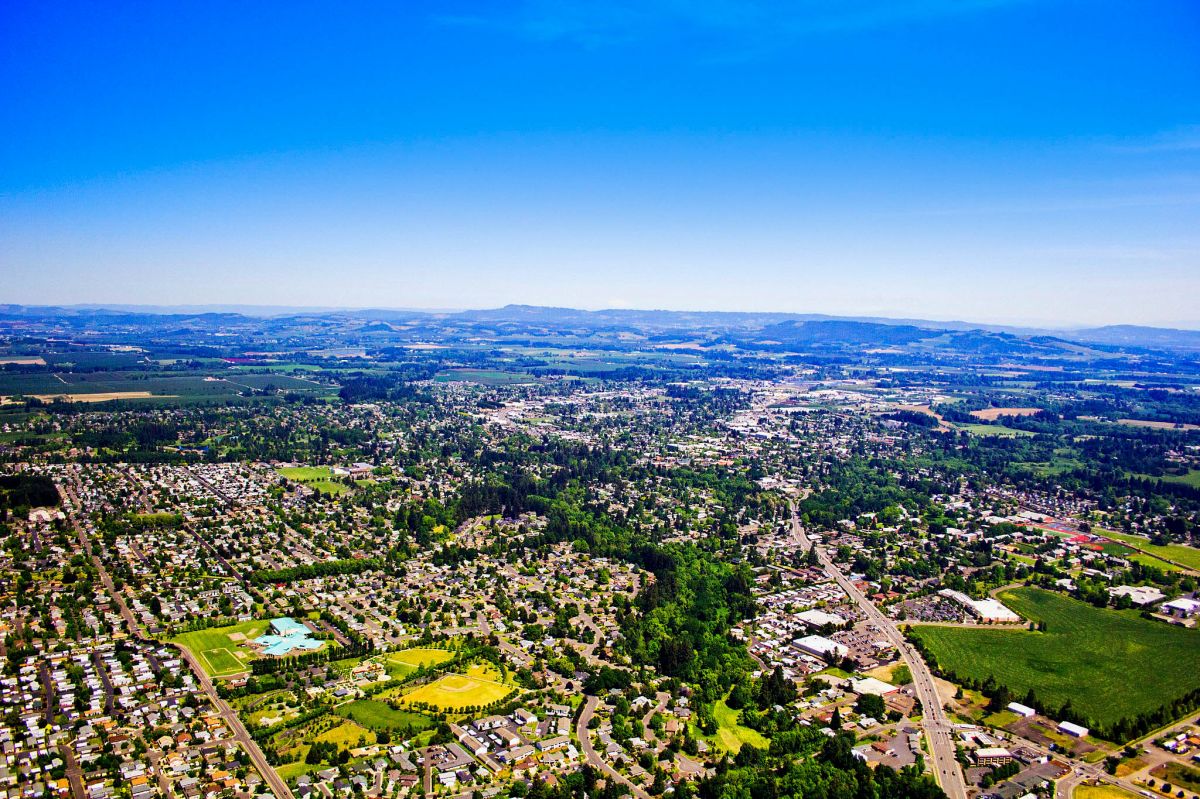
<point x="105" y="396"/>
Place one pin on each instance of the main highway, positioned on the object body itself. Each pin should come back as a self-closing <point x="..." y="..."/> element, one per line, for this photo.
<point x="938" y="730"/>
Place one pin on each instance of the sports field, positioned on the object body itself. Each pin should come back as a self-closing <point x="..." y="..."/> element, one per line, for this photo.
<point x="318" y="478"/>
<point x="457" y="691"/>
<point x="1097" y="658"/>
<point x="220" y="649"/>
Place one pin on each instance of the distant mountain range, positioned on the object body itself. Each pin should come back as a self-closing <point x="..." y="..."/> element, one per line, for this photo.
<point x="784" y="328"/>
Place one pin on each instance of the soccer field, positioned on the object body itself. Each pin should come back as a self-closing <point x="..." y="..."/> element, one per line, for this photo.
<point x="457" y="691"/>
<point x="217" y="650"/>
<point x="1109" y="664"/>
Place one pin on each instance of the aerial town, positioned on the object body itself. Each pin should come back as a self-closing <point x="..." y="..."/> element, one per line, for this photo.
<point x="472" y="585"/>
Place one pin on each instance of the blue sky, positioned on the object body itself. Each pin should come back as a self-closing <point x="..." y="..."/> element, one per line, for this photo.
<point x="994" y="160"/>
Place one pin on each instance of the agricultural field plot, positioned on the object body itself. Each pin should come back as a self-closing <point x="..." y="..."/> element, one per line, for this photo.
<point x="221" y="650"/>
<point x="486" y="377"/>
<point x="992" y="414"/>
<point x="379" y="716"/>
<point x="458" y="691"/>
<point x="1094" y="657"/>
<point x="406" y="661"/>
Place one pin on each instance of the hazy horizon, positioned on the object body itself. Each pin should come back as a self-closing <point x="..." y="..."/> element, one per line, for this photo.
<point x="264" y="310"/>
<point x="995" y="161"/>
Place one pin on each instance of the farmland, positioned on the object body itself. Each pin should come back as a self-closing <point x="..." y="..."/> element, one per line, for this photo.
<point x="992" y="414"/>
<point x="1087" y="655"/>
<point x="220" y="650"/>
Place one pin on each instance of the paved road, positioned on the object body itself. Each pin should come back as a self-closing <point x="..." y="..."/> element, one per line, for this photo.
<point x="590" y="754"/>
<point x="938" y="729"/>
<point x="277" y="785"/>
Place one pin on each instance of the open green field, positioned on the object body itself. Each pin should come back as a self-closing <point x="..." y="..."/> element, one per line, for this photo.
<point x="318" y="478"/>
<point x="731" y="735"/>
<point x="406" y="661"/>
<point x="457" y="691"/>
<point x="486" y="377"/>
<point x="1188" y="556"/>
<point x="218" y="653"/>
<point x="1096" y="658"/>
<point x="378" y="716"/>
<point x="992" y="430"/>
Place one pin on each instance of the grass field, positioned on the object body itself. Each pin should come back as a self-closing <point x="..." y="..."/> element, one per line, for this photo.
<point x="1188" y="556"/>
<point x="318" y="478"/>
<point x="992" y="430"/>
<point x="1094" y="657"/>
<point x="457" y="691"/>
<point x="217" y="652"/>
<point x="486" y="377"/>
<point x="732" y="736"/>
<point x="377" y="716"/>
<point x="1102" y="792"/>
<point x="406" y="661"/>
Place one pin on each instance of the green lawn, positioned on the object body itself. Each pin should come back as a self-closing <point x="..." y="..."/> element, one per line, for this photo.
<point x="1097" y="658"/>
<point x="303" y="474"/>
<point x="378" y="716"/>
<point x="406" y="661"/>
<point x="318" y="478"/>
<point x="217" y="652"/>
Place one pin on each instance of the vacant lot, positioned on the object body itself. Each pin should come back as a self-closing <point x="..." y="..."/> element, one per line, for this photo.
<point x="457" y="691"/>
<point x="992" y="414"/>
<point x="1096" y="658"/>
<point x="220" y="654"/>
<point x="731" y="735"/>
<point x="1102" y="792"/>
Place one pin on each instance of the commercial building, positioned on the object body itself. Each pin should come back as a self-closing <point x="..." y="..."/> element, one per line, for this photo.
<point x="820" y="646"/>
<point x="1072" y="729"/>
<point x="993" y="756"/>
